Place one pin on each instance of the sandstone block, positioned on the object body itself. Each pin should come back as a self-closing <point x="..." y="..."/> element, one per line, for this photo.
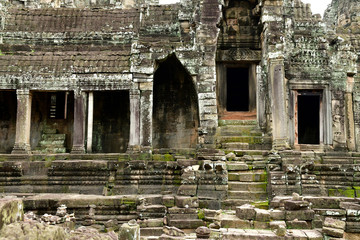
<point x="296" y="224"/>
<point x="313" y="234"/>
<point x="231" y="221"/>
<point x="277" y="215"/>
<point x="168" y="201"/>
<point x="11" y="210"/>
<point x="349" y="206"/>
<point x="276" y="224"/>
<point x="246" y="212"/>
<point x="295" y="205"/>
<point x="262" y="215"/>
<point x="261" y="225"/>
<point x="334" y="223"/>
<point x="333" y="232"/>
<point x="130" y="231"/>
<point x="306" y="215"/>
<point x="187" y="190"/>
<point x="186" y="202"/>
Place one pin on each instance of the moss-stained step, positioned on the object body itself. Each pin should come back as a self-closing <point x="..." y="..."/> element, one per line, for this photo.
<point x="247" y="186"/>
<point x="250" y="176"/>
<point x="237" y="122"/>
<point x="248" y="195"/>
<point x="239" y="130"/>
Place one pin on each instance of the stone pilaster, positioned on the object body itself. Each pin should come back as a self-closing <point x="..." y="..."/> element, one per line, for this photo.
<point x="350" y="125"/>
<point x="79" y="123"/>
<point x="134" y="138"/>
<point x="146" y="111"/>
<point x="23" y="122"/>
<point x="278" y="106"/>
<point x="90" y="122"/>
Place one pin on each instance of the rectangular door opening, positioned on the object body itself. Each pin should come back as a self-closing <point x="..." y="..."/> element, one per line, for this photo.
<point x="237" y="89"/>
<point x="308" y="110"/>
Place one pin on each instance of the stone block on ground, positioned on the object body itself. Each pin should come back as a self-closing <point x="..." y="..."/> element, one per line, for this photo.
<point x="231" y="221"/>
<point x="186" y="202"/>
<point x="11" y="210"/>
<point x="276" y="224"/>
<point x="333" y="232"/>
<point x="262" y="215"/>
<point x="130" y="231"/>
<point x="277" y="214"/>
<point x="246" y="212"/>
<point x="306" y="215"/>
<point x="295" y="205"/>
<point x="313" y="234"/>
<point x="334" y="223"/>
<point x="298" y="224"/>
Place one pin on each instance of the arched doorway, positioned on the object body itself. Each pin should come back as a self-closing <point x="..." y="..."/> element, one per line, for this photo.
<point x="175" y="106"/>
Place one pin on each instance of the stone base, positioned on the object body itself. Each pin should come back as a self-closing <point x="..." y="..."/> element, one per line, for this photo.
<point x="21" y="149"/>
<point x="78" y="150"/>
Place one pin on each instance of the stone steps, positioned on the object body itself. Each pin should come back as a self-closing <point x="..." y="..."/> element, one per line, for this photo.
<point x="249" y="176"/>
<point x="237" y="122"/>
<point x="239" y="130"/>
<point x="184" y="218"/>
<point x="53" y="137"/>
<point x="254" y="234"/>
<point x="51" y="142"/>
<point x="247" y="186"/>
<point x="248" y="195"/>
<point x="245" y="139"/>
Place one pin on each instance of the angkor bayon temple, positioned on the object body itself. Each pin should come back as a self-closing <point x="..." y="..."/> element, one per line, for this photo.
<point x="228" y="119"/>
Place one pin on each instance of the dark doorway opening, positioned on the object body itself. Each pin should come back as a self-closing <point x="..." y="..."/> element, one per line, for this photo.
<point x="58" y="105"/>
<point x="309" y="118"/>
<point x="175" y="108"/>
<point x="8" y="106"/>
<point x="111" y="127"/>
<point x="52" y="121"/>
<point x="237" y="89"/>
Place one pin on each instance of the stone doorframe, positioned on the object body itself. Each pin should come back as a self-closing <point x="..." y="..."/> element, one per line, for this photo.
<point x="221" y="87"/>
<point x="325" y="110"/>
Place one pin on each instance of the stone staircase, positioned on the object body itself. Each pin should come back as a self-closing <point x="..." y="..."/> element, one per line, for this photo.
<point x="247" y="148"/>
<point x="241" y="135"/>
<point x="51" y="142"/>
<point x="247" y="183"/>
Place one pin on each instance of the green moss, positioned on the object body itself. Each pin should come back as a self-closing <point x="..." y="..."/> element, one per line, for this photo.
<point x="201" y="214"/>
<point x="168" y="157"/>
<point x="165" y="158"/>
<point x="177" y="182"/>
<point x="261" y="205"/>
<point x="342" y="192"/>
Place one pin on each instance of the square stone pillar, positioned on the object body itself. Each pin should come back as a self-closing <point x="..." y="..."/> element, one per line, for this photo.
<point x="146" y="111"/>
<point x="350" y="124"/>
<point x="23" y="122"/>
<point x="79" y="123"/>
<point x="278" y="106"/>
<point x="134" y="138"/>
<point x="90" y="122"/>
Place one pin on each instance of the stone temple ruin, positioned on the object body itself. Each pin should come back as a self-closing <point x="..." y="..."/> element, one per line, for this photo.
<point x="242" y="116"/>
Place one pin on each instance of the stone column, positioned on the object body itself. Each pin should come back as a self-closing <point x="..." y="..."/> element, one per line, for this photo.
<point x="23" y="122"/>
<point x="350" y="125"/>
<point x="90" y="122"/>
<point x="134" y="138"/>
<point x="79" y="123"/>
<point x="278" y="106"/>
<point x="260" y="101"/>
<point x="146" y="111"/>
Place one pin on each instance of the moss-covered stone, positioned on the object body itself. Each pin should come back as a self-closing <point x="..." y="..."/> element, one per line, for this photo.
<point x="342" y="192"/>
